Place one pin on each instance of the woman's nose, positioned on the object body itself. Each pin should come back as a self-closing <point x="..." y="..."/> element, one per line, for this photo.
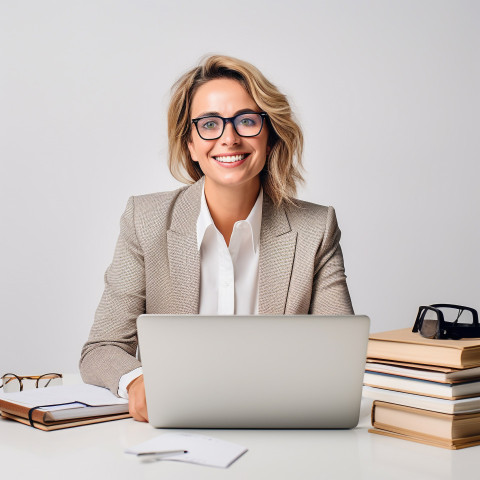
<point x="229" y="136"/>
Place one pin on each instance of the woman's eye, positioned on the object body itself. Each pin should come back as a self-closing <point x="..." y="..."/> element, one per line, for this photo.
<point x="248" y="120"/>
<point x="209" y="125"/>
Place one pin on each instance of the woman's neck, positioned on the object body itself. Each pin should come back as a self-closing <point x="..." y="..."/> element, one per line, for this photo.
<point x="229" y="204"/>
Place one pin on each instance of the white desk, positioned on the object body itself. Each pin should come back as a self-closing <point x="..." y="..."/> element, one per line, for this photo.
<point x="96" y="452"/>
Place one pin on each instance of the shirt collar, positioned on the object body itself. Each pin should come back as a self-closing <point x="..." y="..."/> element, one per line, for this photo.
<point x="204" y="220"/>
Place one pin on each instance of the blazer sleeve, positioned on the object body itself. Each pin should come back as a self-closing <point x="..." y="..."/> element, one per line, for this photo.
<point x="330" y="294"/>
<point x="110" y="350"/>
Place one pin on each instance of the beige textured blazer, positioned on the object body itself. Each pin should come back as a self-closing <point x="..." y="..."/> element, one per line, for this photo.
<point x="156" y="269"/>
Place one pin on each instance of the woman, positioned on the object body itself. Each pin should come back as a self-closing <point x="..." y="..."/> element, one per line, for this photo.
<point x="234" y="242"/>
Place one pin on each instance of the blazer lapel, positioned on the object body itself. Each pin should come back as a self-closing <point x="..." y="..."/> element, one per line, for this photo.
<point x="277" y="252"/>
<point x="183" y="254"/>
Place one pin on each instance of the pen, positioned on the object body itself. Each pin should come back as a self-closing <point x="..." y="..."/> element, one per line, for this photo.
<point x="163" y="452"/>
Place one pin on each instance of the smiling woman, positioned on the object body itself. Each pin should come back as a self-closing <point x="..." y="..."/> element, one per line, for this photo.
<point x="230" y="161"/>
<point x="236" y="241"/>
<point x="246" y="86"/>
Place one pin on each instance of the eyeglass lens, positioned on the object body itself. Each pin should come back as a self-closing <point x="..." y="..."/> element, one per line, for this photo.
<point x="246" y="125"/>
<point x="430" y="327"/>
<point x="456" y="315"/>
<point x="11" y="383"/>
<point x="49" y="380"/>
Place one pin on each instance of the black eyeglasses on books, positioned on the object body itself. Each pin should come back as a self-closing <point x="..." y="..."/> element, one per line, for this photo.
<point x="441" y="321"/>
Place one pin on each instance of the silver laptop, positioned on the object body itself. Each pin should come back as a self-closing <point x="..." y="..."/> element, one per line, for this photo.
<point x="253" y="371"/>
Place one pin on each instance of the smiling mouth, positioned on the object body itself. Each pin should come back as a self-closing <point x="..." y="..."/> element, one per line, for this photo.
<point x="231" y="158"/>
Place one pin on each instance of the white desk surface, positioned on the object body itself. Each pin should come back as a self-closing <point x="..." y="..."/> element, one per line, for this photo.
<point x="96" y="452"/>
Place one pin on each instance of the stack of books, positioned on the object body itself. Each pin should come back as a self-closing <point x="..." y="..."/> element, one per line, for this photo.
<point x="424" y="390"/>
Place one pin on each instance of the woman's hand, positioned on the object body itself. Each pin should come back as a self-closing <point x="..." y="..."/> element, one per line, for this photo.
<point x="137" y="403"/>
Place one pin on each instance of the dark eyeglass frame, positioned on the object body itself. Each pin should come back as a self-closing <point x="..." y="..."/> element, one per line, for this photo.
<point x="37" y="378"/>
<point x="446" y="329"/>
<point x="263" y="116"/>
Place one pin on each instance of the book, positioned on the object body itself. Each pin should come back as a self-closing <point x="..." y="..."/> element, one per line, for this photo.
<point x="440" y="429"/>
<point x="422" y="402"/>
<point x="423" y="372"/>
<point x="429" y="441"/>
<point x="65" y="424"/>
<point x="403" y="345"/>
<point x="63" y="406"/>
<point x="450" y="391"/>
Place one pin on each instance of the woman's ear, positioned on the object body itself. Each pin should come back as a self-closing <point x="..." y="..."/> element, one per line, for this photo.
<point x="191" y="149"/>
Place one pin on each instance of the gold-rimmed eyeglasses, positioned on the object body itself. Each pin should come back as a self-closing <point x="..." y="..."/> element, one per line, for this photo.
<point x="15" y="383"/>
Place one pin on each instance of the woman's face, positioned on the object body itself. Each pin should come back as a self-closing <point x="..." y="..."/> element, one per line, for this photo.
<point x="226" y="98"/>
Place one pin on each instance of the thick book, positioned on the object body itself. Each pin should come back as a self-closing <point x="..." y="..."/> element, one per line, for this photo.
<point x="441" y="429"/>
<point x="63" y="406"/>
<point x="429" y="441"/>
<point x="423" y="372"/>
<point x="449" y="391"/>
<point x="423" y="402"/>
<point x="406" y="346"/>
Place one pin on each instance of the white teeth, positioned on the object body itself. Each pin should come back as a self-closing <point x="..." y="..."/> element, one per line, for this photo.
<point x="230" y="158"/>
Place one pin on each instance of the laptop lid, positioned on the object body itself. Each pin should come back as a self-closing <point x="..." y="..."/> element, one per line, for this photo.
<point x="273" y="371"/>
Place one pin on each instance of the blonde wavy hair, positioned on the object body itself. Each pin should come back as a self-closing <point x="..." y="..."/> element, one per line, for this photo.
<point x="282" y="171"/>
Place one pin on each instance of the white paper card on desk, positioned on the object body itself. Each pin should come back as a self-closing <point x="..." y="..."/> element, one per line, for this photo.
<point x="202" y="450"/>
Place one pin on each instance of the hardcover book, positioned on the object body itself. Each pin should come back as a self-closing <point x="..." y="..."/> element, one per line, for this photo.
<point x="423" y="372"/>
<point x="449" y="391"/>
<point x="440" y="429"/>
<point x="403" y="345"/>
<point x="423" y="402"/>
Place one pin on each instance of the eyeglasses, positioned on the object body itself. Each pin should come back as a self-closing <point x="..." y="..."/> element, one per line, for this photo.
<point x="15" y="383"/>
<point x="245" y="125"/>
<point x="441" y="321"/>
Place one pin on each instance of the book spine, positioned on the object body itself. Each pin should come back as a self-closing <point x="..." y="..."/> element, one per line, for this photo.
<point x="413" y="353"/>
<point x="411" y="400"/>
<point x="421" y="394"/>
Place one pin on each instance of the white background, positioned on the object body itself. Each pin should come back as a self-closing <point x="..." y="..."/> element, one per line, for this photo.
<point x="387" y="93"/>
